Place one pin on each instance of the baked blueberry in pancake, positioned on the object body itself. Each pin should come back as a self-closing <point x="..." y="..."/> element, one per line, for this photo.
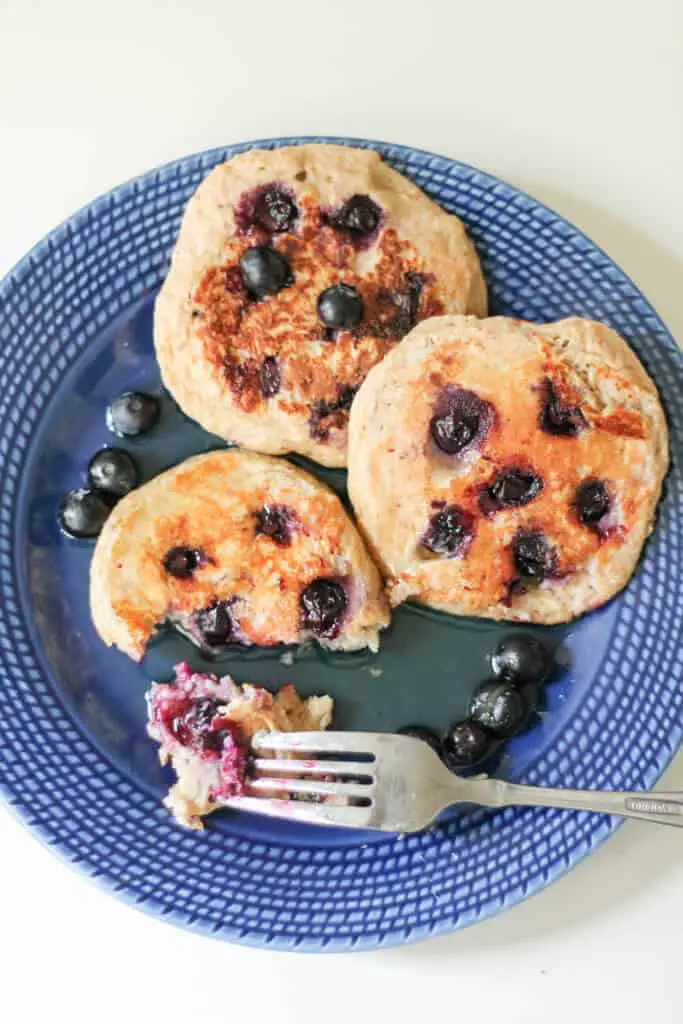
<point x="295" y="271"/>
<point x="507" y="470"/>
<point x="235" y="548"/>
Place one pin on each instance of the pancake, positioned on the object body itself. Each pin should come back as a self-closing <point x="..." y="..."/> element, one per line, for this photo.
<point x="507" y="470"/>
<point x="233" y="547"/>
<point x="295" y="271"/>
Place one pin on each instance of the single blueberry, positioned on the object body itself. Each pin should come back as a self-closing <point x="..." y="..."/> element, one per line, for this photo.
<point x="466" y="744"/>
<point x="323" y="605"/>
<point x="510" y="488"/>
<point x="83" y="512"/>
<point x="461" y="417"/>
<point x="534" y="558"/>
<point x="557" y="417"/>
<point x="215" y="624"/>
<point x="448" y="532"/>
<point x="274" y="210"/>
<point x="114" y="471"/>
<point x="133" y="413"/>
<point x="360" y="216"/>
<point x="265" y="271"/>
<point x="181" y="562"/>
<point x="497" y="705"/>
<point x="275" y="521"/>
<point x="592" y="501"/>
<point x="521" y="658"/>
<point x="340" y="307"/>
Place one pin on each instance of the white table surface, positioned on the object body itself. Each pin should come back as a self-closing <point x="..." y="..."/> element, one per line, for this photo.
<point x="578" y="103"/>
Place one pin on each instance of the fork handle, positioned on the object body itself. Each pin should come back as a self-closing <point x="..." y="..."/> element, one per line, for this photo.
<point x="660" y="808"/>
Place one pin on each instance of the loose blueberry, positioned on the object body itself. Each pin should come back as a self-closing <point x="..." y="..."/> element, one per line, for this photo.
<point x="215" y="624"/>
<point x="466" y="744"/>
<point x="181" y="562"/>
<point x="133" y="413"/>
<point x="461" y="418"/>
<point x="275" y="521"/>
<point x="323" y="604"/>
<point x="269" y="377"/>
<point x="449" y="531"/>
<point x="421" y="732"/>
<point x="592" y="501"/>
<point x="340" y="307"/>
<point x="360" y="215"/>
<point x="265" y="271"/>
<point x="511" y="488"/>
<point x="534" y="558"/>
<point x="497" y="705"/>
<point x="557" y="417"/>
<point x="274" y="210"/>
<point x="521" y="658"/>
<point x="84" y="512"/>
<point x="114" y="471"/>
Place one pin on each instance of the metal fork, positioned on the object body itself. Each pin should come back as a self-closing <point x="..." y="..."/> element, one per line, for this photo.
<point x="393" y="783"/>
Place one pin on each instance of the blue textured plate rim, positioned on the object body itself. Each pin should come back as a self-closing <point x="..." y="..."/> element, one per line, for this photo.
<point x="602" y="829"/>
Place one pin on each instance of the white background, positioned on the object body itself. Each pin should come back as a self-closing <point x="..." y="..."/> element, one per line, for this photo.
<point x="579" y="103"/>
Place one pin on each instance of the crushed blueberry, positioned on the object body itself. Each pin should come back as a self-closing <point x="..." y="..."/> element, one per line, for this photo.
<point x="340" y="307"/>
<point x="533" y="556"/>
<point x="181" y="562"/>
<point x="269" y="207"/>
<point x="557" y="417"/>
<point x="449" y="531"/>
<point x="193" y="725"/>
<point x="269" y="377"/>
<point x="275" y="521"/>
<point x="265" y="271"/>
<point x="359" y="216"/>
<point x="323" y="606"/>
<point x="327" y="415"/>
<point x="460" y="419"/>
<point x="215" y="624"/>
<point x="592" y="502"/>
<point x="510" y="488"/>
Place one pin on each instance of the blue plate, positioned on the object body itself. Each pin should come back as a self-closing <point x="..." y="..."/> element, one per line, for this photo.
<point x="75" y="764"/>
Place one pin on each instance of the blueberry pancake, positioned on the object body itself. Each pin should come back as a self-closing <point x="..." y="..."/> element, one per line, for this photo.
<point x="233" y="547"/>
<point x="507" y="470"/>
<point x="295" y="271"/>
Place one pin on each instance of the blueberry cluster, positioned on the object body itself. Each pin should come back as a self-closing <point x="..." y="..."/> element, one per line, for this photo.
<point x="112" y="472"/>
<point x="499" y="708"/>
